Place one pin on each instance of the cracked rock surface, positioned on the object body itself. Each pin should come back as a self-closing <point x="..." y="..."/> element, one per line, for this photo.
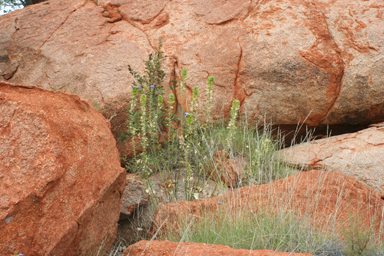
<point x="357" y="154"/>
<point x="60" y="175"/>
<point x="285" y="60"/>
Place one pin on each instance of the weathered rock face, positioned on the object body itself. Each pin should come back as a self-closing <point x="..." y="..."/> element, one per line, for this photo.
<point x="326" y="198"/>
<point x="283" y="59"/>
<point x="134" y="195"/>
<point x="60" y="176"/>
<point x="357" y="154"/>
<point x="193" y="249"/>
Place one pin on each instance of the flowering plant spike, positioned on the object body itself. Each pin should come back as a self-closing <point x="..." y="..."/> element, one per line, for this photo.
<point x="143" y="99"/>
<point x="184" y="74"/>
<point x="211" y="79"/>
<point x="195" y="93"/>
<point x="171" y="99"/>
<point x="160" y="100"/>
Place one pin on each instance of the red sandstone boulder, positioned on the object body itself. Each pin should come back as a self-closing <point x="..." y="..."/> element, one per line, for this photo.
<point x="326" y="198"/>
<point x="60" y="177"/>
<point x="283" y="59"/>
<point x="194" y="249"/>
<point x="357" y="154"/>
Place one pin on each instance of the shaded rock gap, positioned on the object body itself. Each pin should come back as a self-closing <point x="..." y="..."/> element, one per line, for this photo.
<point x="235" y="82"/>
<point x="16" y="28"/>
<point x="224" y="23"/>
<point x="10" y="75"/>
<point x="173" y="74"/>
<point x="318" y="132"/>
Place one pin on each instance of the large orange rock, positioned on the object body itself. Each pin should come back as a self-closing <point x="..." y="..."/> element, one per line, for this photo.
<point x="358" y="154"/>
<point x="328" y="199"/>
<point x="60" y="177"/>
<point x="165" y="248"/>
<point x="282" y="59"/>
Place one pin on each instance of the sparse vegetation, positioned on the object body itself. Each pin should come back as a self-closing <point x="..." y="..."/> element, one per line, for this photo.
<point x="189" y="146"/>
<point x="282" y="232"/>
<point x="360" y="241"/>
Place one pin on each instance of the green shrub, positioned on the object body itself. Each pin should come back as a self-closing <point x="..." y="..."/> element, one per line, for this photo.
<point x="359" y="241"/>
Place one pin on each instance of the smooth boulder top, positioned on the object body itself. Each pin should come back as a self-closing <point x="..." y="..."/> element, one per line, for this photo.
<point x="358" y="154"/>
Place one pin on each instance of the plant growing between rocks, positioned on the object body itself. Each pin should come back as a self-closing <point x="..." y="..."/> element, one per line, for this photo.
<point x="357" y="240"/>
<point x="184" y="160"/>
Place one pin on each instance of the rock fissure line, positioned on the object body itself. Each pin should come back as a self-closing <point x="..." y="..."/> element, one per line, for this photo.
<point x="206" y="71"/>
<point x="157" y="15"/>
<point x="236" y="93"/>
<point x="142" y="30"/>
<point x="223" y="23"/>
<point x="249" y="10"/>
<point x="312" y="62"/>
<point x="10" y="75"/>
<point x="347" y="148"/>
<point x="372" y="144"/>
<point x="132" y="22"/>
<point x="360" y="47"/>
<point x="54" y="31"/>
<point x="145" y="22"/>
<point x="16" y="28"/>
<point x="323" y="158"/>
<point x="331" y="62"/>
<point x="230" y="20"/>
<point x="110" y="32"/>
<point x="336" y="97"/>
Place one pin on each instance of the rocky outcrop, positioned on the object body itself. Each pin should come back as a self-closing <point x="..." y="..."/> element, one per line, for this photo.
<point x="194" y="249"/>
<point x="357" y="154"/>
<point x="286" y="60"/>
<point x="60" y="176"/>
<point x="327" y="199"/>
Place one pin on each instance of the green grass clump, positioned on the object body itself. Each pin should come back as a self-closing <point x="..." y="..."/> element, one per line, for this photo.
<point x="282" y="232"/>
<point x="359" y="241"/>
